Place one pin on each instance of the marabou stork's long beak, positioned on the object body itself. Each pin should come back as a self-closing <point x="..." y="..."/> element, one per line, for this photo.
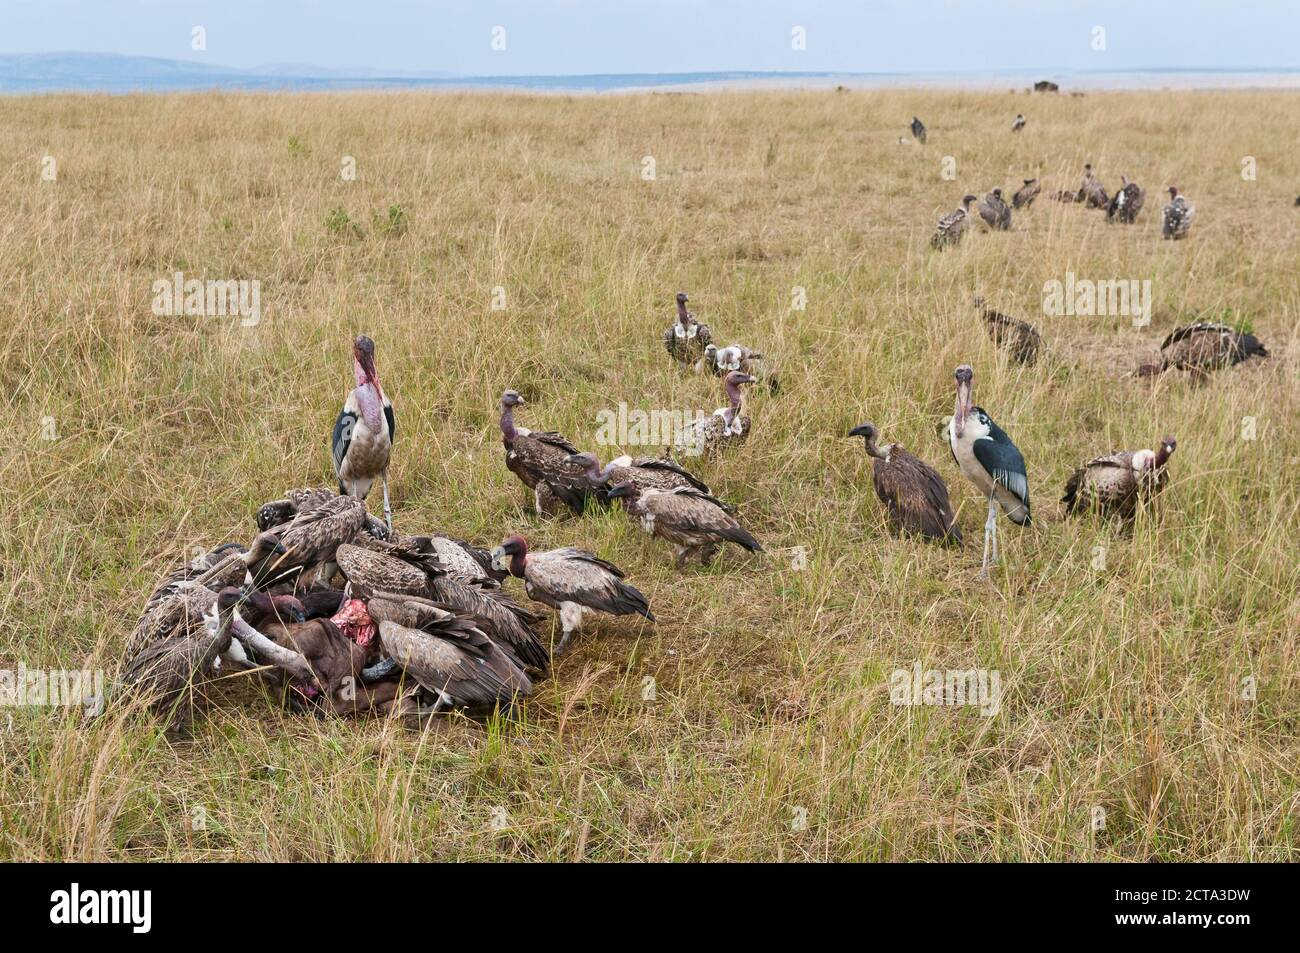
<point x="962" y="410"/>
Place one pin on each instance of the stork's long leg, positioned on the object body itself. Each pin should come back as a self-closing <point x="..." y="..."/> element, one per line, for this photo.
<point x="990" y="531"/>
<point x="993" y="522"/>
<point x="388" y="510"/>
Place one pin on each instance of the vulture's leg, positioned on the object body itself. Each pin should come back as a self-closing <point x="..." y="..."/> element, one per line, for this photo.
<point x="570" y="619"/>
<point x="683" y="552"/>
<point x="707" y="552"/>
<point x="379" y="671"/>
<point x="388" y="510"/>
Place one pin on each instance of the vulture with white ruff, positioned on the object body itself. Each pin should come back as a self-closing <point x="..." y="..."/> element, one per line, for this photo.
<point x="686" y="338"/>
<point x="954" y="225"/>
<point x="1126" y="203"/>
<point x="725" y="426"/>
<point x="1177" y="221"/>
<point x="1116" y="484"/>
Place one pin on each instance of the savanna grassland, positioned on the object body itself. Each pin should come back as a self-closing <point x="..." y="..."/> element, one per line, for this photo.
<point x="1125" y="657"/>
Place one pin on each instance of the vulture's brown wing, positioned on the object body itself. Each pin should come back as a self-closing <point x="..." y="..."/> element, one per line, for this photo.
<point x="371" y="571"/>
<point x="455" y="659"/>
<point x="915" y="495"/>
<point x="698" y="513"/>
<point x="575" y="575"/>
<point x="509" y="623"/>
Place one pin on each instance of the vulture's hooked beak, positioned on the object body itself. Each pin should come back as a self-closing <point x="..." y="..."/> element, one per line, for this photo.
<point x="620" y="490"/>
<point x="861" y="430"/>
<point x="500" y="559"/>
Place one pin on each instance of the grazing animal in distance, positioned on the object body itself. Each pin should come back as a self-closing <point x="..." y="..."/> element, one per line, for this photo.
<point x="572" y="581"/>
<point x="918" y="130"/>
<point x="1126" y="203"/>
<point x="539" y="459"/>
<point x="1026" y="194"/>
<point x="988" y="458"/>
<point x="1116" y="484"/>
<point x="362" y="444"/>
<point x="1204" y="347"/>
<point x="954" y="225"/>
<point x="1177" y="221"/>
<point x="725" y="426"/>
<point x="1018" y="337"/>
<point x="1091" y="192"/>
<point x="995" y="212"/>
<point x="686" y="338"/>
<point x="694" y="522"/>
<point x="913" y="492"/>
<point x="1019" y="122"/>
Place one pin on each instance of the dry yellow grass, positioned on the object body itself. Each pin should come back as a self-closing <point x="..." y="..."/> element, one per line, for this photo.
<point x="1122" y="687"/>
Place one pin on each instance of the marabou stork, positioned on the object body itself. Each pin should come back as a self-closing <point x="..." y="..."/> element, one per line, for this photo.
<point x="364" y="431"/>
<point x="990" y="460"/>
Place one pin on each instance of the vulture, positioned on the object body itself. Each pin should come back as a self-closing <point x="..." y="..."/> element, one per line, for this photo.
<point x="1126" y="203"/>
<point x="540" y="461"/>
<point x="1204" y="347"/>
<point x="726" y="425"/>
<point x="686" y="338"/>
<point x="918" y="130"/>
<point x="275" y="513"/>
<point x="1026" y="194"/>
<point x="736" y="357"/>
<point x="1019" y="122"/>
<point x="995" y="212"/>
<point x="1091" y="192"/>
<point x="1178" y="216"/>
<point x="953" y="225"/>
<point x="363" y="433"/>
<point x="912" y="491"/>
<point x="572" y="581"/>
<point x="646" y="473"/>
<point x="168" y="670"/>
<point x="988" y="458"/>
<point x="694" y="522"/>
<point x="310" y="540"/>
<point x="1067" y="195"/>
<point x="406" y="571"/>
<point x="446" y="654"/>
<point x="1018" y="337"/>
<point x="1116" y="484"/>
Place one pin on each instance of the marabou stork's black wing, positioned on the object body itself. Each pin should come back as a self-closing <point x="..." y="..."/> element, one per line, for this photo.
<point x="392" y="422"/>
<point x="342" y="438"/>
<point x="1004" y="462"/>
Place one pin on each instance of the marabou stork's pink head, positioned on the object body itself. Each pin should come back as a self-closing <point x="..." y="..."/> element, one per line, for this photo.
<point x="363" y="361"/>
<point x="965" y="377"/>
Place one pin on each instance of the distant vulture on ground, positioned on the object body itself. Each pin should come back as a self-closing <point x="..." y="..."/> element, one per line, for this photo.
<point x="686" y="338"/>
<point x="1116" y="484"/>
<point x="989" y="460"/>
<point x="362" y="444"/>
<point x="1046" y="86"/>
<point x="1178" y="216"/>
<point x="918" y="130"/>
<point x="912" y="491"/>
<point x="1091" y="192"/>
<point x="953" y="225"/>
<point x="1026" y="194"/>
<point x="1018" y="337"/>
<point x="1204" y="347"/>
<point x="725" y="426"/>
<point x="694" y="522"/>
<point x="1064" y="195"/>
<point x="736" y="357"/>
<point x="572" y="581"/>
<point x="1126" y="203"/>
<point x="995" y="211"/>
<point x="1019" y="123"/>
<point x="540" y="461"/>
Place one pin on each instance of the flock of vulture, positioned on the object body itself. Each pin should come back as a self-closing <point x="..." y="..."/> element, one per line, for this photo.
<point x="336" y="611"/>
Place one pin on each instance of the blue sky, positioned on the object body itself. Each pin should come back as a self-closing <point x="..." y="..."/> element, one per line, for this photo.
<point x="598" y="36"/>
